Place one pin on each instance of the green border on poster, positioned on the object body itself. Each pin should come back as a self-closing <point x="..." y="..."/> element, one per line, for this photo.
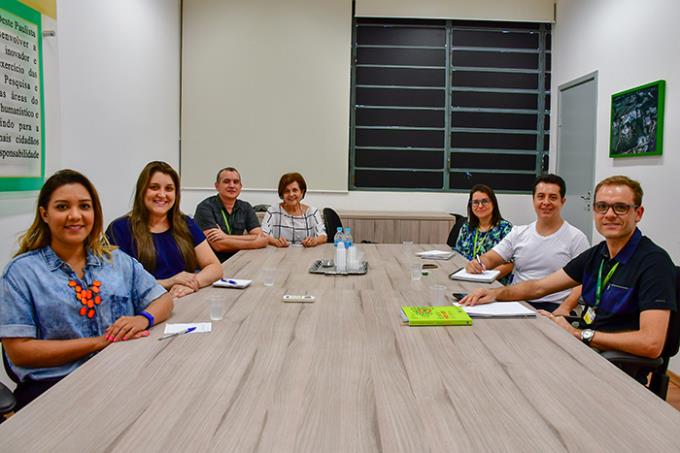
<point x="661" y="100"/>
<point x="12" y="184"/>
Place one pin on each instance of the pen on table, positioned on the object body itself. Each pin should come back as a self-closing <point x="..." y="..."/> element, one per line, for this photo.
<point x="189" y="330"/>
<point x="231" y="282"/>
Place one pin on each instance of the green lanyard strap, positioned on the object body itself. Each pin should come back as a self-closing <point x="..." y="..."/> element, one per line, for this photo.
<point x="226" y="222"/>
<point x="600" y="283"/>
<point x="475" y="249"/>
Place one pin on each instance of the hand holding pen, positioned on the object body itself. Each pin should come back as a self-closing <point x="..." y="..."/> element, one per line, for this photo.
<point x="475" y="266"/>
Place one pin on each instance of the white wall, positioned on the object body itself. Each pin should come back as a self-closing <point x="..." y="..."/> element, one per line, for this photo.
<point x="120" y="91"/>
<point x="111" y="101"/>
<point x="629" y="43"/>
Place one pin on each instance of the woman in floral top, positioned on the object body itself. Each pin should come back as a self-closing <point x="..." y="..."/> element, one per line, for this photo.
<point x="484" y="229"/>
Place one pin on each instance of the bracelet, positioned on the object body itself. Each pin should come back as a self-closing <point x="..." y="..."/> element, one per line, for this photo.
<point x="149" y="317"/>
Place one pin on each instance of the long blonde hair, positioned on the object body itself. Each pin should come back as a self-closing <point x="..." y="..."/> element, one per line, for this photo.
<point x="38" y="234"/>
<point x="139" y="221"/>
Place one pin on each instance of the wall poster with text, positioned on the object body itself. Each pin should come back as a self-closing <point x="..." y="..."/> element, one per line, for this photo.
<point x="22" y="131"/>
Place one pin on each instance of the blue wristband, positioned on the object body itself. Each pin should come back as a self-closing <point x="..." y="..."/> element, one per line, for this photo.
<point x="149" y="318"/>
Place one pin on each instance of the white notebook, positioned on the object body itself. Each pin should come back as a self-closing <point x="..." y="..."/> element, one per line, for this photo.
<point x="484" y="277"/>
<point x="499" y="310"/>
<point x="232" y="283"/>
<point x="436" y="254"/>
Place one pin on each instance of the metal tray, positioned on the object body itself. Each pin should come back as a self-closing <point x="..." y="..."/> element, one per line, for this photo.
<point x="327" y="267"/>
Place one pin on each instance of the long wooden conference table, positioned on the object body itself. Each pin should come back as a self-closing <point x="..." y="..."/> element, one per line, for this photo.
<point x="343" y="375"/>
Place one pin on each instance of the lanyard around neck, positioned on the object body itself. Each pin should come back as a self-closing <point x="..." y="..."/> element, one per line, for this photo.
<point x="475" y="249"/>
<point x="600" y="283"/>
<point x="226" y="222"/>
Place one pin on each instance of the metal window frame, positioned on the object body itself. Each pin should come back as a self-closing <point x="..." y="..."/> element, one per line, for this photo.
<point x="449" y="92"/>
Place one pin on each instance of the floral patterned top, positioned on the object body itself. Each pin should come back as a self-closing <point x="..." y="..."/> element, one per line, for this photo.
<point x="485" y="241"/>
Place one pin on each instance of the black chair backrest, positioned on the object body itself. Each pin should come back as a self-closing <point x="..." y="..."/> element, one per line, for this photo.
<point x="673" y="336"/>
<point x="453" y="234"/>
<point x="332" y="222"/>
<point x="8" y="370"/>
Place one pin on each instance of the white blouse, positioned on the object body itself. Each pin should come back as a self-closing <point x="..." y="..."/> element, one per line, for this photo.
<point x="294" y="228"/>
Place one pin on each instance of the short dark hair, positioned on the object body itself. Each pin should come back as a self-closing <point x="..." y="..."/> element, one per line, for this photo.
<point x="496" y="217"/>
<point x="217" y="177"/>
<point x="290" y="178"/>
<point x="550" y="178"/>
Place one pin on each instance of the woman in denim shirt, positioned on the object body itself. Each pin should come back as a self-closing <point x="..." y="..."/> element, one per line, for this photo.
<point x="484" y="229"/>
<point x="67" y="294"/>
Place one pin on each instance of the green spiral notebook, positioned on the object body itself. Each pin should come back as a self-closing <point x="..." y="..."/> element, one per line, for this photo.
<point x="435" y="316"/>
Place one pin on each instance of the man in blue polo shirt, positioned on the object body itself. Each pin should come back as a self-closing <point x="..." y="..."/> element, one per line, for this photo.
<point x="628" y="281"/>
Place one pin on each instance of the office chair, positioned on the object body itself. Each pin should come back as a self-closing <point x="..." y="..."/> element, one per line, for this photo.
<point x="7" y="400"/>
<point x="658" y="383"/>
<point x="261" y="207"/>
<point x="332" y="222"/>
<point x="453" y="234"/>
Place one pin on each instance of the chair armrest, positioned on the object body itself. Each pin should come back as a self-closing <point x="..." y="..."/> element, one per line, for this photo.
<point x="7" y="401"/>
<point x="624" y="358"/>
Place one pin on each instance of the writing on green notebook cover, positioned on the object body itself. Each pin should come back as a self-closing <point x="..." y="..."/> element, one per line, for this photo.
<point x="449" y="315"/>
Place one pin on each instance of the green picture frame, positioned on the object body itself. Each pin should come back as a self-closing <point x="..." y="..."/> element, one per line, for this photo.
<point x="637" y="121"/>
<point x="26" y="14"/>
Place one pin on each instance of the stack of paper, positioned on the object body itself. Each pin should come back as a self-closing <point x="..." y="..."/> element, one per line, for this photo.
<point x="436" y="254"/>
<point x="499" y="310"/>
<point x="484" y="277"/>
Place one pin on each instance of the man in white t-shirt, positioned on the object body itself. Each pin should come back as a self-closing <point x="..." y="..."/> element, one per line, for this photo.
<point x="542" y="247"/>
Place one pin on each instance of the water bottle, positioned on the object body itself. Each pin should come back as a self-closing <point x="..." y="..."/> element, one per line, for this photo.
<point x="348" y="238"/>
<point x="341" y="258"/>
<point x="338" y="237"/>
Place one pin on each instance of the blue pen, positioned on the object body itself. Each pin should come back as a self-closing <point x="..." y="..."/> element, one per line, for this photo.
<point x="232" y="282"/>
<point x="189" y="330"/>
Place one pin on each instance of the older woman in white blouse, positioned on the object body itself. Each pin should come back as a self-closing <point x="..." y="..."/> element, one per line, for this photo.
<point x="291" y="222"/>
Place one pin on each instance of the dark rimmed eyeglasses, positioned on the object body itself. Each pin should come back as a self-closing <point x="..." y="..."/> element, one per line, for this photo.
<point x="619" y="208"/>
<point x="477" y="203"/>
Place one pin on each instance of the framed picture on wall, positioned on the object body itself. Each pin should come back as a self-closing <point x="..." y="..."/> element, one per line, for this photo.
<point x="637" y="121"/>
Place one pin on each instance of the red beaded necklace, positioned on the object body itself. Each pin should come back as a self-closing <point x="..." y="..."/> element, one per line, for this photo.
<point x="88" y="297"/>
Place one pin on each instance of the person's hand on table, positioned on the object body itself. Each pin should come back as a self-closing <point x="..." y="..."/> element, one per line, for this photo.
<point x="127" y="328"/>
<point x="186" y="279"/>
<point x="308" y="242"/>
<point x="478" y="297"/>
<point x="214" y="234"/>
<point x="179" y="290"/>
<point x="474" y="267"/>
<point x="560" y="321"/>
<point x="280" y="242"/>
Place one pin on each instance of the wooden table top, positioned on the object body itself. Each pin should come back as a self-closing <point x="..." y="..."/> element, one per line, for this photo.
<point x="343" y="375"/>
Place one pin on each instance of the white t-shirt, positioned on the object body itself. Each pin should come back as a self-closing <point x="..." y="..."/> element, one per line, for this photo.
<point x="537" y="256"/>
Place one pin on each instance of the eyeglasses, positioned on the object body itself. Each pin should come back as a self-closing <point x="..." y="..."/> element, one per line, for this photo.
<point x="619" y="208"/>
<point x="477" y="203"/>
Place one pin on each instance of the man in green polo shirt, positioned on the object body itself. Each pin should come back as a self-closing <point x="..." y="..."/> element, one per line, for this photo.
<point x="229" y="224"/>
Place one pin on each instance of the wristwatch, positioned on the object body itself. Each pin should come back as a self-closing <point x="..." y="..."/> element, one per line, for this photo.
<point x="587" y="336"/>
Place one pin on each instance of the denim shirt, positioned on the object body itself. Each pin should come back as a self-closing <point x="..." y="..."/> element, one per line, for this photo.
<point x="36" y="300"/>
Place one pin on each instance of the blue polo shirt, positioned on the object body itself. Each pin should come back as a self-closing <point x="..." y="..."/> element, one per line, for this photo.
<point x="36" y="300"/>
<point x="644" y="280"/>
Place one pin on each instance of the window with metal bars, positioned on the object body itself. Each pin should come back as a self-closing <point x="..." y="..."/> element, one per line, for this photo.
<point x="443" y="105"/>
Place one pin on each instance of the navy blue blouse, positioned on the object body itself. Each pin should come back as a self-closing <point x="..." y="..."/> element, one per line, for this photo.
<point x="169" y="260"/>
